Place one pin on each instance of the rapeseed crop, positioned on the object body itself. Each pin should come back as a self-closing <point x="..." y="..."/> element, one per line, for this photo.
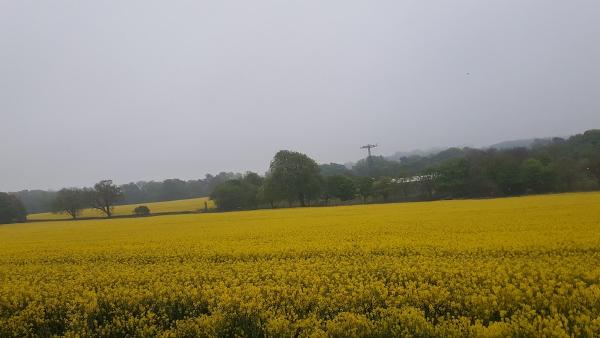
<point x="526" y="266"/>
<point x="191" y="204"/>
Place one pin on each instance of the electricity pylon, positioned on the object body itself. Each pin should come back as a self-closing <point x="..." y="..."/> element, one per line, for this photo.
<point x="369" y="159"/>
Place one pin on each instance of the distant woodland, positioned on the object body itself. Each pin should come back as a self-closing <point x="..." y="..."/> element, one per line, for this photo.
<point x="294" y="179"/>
<point x="139" y="192"/>
<point x="548" y="166"/>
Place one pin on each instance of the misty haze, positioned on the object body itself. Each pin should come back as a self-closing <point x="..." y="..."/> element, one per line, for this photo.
<point x="148" y="91"/>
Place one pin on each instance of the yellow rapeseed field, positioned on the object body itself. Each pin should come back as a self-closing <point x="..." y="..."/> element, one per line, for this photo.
<point x="525" y="266"/>
<point x="192" y="204"/>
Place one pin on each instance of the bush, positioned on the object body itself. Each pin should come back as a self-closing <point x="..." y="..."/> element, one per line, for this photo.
<point x="142" y="210"/>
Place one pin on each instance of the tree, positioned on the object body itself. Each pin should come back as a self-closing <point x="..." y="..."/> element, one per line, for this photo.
<point x="365" y="187"/>
<point x="36" y="201"/>
<point x="238" y="193"/>
<point x="383" y="187"/>
<point x="536" y="176"/>
<point x="173" y="189"/>
<point x="104" y="196"/>
<point x="141" y="210"/>
<point x="452" y="179"/>
<point x="339" y="186"/>
<point x="70" y="201"/>
<point x="505" y="173"/>
<point x="332" y="169"/>
<point x="313" y="191"/>
<point x="151" y="191"/>
<point x="11" y="209"/>
<point x="211" y="182"/>
<point x="404" y="186"/>
<point x="594" y="167"/>
<point x="229" y="195"/>
<point x="132" y="193"/>
<point x="253" y="179"/>
<point x="268" y="193"/>
<point x="295" y="176"/>
<point x="377" y="166"/>
<point x="571" y="174"/>
<point x="252" y="183"/>
<point x="427" y="182"/>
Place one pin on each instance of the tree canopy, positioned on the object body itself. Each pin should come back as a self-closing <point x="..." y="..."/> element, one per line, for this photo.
<point x="11" y="209"/>
<point x="296" y="176"/>
<point x="71" y="201"/>
<point x="238" y="193"/>
<point x="104" y="196"/>
<point x="339" y="186"/>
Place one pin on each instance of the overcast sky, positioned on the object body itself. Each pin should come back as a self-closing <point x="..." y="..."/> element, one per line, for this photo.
<point x="142" y="90"/>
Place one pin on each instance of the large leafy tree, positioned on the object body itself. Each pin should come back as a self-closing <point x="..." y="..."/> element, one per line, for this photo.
<point x="339" y="186"/>
<point x="453" y="176"/>
<point x="240" y="193"/>
<point x="230" y="195"/>
<point x="536" y="176"/>
<point x="71" y="201"/>
<point x="104" y="196"/>
<point x="269" y="193"/>
<point x="295" y="176"/>
<point x="11" y="209"/>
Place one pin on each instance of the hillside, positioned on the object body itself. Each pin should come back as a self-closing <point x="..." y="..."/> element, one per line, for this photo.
<point x="522" y="143"/>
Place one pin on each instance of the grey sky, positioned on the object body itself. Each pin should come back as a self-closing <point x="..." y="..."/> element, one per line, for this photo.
<point x="134" y="90"/>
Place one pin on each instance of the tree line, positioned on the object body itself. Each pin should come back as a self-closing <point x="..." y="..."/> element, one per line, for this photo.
<point x="103" y="196"/>
<point x="294" y="179"/>
<point x="36" y="201"/>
